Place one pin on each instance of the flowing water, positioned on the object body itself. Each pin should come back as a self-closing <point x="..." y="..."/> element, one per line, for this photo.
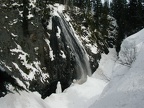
<point x="82" y="65"/>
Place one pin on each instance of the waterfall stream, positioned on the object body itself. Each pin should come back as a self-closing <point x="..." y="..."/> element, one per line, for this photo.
<point x="82" y="65"/>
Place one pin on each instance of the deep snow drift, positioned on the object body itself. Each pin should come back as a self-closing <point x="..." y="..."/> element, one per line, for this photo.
<point x="126" y="88"/>
<point x="22" y="100"/>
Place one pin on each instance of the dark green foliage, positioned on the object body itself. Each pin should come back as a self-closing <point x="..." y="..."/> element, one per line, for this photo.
<point x="97" y="12"/>
<point x="95" y="17"/>
<point x="119" y="11"/>
<point x="129" y="18"/>
<point x="25" y="19"/>
<point x="135" y="15"/>
<point x="6" y="79"/>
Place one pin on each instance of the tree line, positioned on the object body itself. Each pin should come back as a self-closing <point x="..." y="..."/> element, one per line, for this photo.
<point x="129" y="14"/>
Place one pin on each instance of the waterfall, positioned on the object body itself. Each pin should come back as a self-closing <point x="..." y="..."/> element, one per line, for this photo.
<point x="82" y="65"/>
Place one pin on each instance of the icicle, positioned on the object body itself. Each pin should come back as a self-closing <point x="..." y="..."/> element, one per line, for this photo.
<point x="58" y="89"/>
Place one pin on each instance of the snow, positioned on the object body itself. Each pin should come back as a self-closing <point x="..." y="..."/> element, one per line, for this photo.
<point x="21" y="13"/>
<point x="14" y="35"/>
<point x="67" y="17"/>
<point x="36" y="49"/>
<point x="49" y="26"/>
<point x="6" y="17"/>
<point x="58" y="89"/>
<point x="55" y="10"/>
<point x="126" y="88"/>
<point x="21" y="71"/>
<point x="63" y="54"/>
<point x="93" y="48"/>
<point x="59" y="32"/>
<point x="32" y="3"/>
<point x="60" y="8"/>
<point x="51" y="51"/>
<point x="30" y="16"/>
<point x="22" y="100"/>
<point x="4" y="64"/>
<point x="13" y="22"/>
<point x="106" y="65"/>
<point x="20" y="82"/>
<point x="77" y="96"/>
<point x="15" y="4"/>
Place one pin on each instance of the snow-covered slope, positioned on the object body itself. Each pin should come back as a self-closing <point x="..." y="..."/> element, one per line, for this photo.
<point x="77" y="96"/>
<point x="22" y="100"/>
<point x="106" y="65"/>
<point x="126" y="89"/>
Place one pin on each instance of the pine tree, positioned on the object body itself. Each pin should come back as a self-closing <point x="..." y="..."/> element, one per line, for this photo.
<point x="25" y="19"/>
<point x="119" y="12"/>
<point x="104" y="19"/>
<point x="97" y="12"/>
<point x="135" y="15"/>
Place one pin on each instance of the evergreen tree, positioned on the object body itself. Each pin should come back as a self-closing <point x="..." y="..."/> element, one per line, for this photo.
<point x="119" y="11"/>
<point x="104" y="19"/>
<point x="135" y="15"/>
<point x="25" y="18"/>
<point x="97" y="12"/>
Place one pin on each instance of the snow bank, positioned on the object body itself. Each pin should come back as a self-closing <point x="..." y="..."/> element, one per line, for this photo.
<point x="77" y="96"/>
<point x="22" y="100"/>
<point x="106" y="66"/>
<point x="126" y="89"/>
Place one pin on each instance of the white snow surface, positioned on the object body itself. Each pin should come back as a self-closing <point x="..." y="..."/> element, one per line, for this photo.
<point x="51" y="51"/>
<point x="58" y="33"/>
<point x="106" y="65"/>
<point x="22" y="100"/>
<point x="126" y="88"/>
<point x="93" y="48"/>
<point x="77" y="96"/>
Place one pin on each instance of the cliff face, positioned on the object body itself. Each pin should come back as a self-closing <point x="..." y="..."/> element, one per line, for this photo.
<point x="34" y="49"/>
<point x="31" y="53"/>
